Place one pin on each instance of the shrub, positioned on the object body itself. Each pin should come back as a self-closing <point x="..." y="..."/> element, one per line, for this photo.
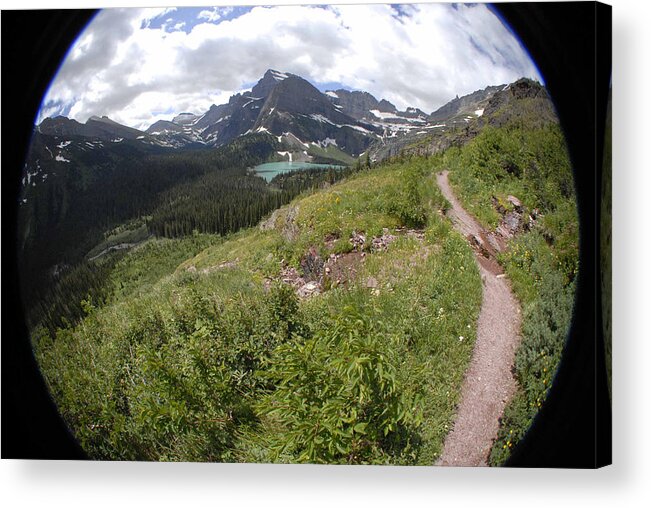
<point x="337" y="399"/>
<point x="547" y="311"/>
<point x="406" y="201"/>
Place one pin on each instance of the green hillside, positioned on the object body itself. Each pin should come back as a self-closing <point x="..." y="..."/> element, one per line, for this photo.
<point x="219" y="359"/>
<point x="337" y="329"/>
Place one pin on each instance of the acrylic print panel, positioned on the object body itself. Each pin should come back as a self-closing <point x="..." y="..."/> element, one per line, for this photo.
<point x="407" y="289"/>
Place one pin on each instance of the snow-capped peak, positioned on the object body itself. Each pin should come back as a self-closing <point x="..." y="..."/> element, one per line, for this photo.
<point x="278" y="76"/>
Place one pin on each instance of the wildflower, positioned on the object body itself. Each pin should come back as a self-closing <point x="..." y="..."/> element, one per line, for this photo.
<point x="460" y="338"/>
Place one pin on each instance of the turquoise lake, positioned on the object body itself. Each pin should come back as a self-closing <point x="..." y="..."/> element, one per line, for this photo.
<point x="270" y="169"/>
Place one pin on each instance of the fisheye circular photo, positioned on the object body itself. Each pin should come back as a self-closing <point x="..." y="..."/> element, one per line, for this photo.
<point x="333" y="234"/>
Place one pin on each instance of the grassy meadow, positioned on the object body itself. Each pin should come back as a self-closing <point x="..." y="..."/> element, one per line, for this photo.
<point x="212" y="357"/>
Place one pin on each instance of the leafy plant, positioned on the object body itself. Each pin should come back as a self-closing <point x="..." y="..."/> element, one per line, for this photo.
<point x="337" y="398"/>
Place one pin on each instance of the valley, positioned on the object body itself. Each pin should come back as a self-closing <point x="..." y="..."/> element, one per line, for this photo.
<point x="327" y="314"/>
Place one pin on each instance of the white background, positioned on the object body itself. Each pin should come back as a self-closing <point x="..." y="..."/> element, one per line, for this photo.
<point x="77" y="484"/>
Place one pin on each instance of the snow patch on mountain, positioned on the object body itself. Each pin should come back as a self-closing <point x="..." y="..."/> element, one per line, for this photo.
<point x="381" y="115"/>
<point x="324" y="143"/>
<point x="278" y="76"/>
<point x="357" y="128"/>
<point x="250" y="101"/>
<point x="322" y="119"/>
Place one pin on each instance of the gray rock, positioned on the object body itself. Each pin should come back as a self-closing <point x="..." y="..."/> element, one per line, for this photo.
<point x="309" y="289"/>
<point x="372" y="282"/>
<point x="517" y="205"/>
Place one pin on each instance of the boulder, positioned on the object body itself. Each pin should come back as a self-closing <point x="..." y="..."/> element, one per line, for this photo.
<point x="517" y="205"/>
<point x="309" y="289"/>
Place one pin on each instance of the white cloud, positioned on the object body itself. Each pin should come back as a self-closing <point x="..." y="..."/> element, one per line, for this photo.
<point x="421" y="55"/>
<point x="214" y="14"/>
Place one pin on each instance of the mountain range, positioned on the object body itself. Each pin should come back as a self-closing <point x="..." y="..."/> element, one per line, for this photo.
<point x="288" y="107"/>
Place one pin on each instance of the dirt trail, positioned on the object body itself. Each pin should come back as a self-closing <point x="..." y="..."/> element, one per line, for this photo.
<point x="489" y="383"/>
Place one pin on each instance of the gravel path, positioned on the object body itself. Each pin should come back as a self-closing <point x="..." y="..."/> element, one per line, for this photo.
<point x="489" y="383"/>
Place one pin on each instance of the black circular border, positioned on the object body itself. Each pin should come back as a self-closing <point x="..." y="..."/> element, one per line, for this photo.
<point x="571" y="45"/>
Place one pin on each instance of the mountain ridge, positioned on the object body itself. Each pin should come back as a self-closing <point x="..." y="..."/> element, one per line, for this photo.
<point x="282" y="103"/>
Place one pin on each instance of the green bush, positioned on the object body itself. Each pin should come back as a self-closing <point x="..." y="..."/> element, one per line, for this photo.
<point x="337" y="398"/>
<point x="406" y="201"/>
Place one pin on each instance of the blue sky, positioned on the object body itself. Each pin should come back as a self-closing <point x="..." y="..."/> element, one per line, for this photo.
<point x="138" y="66"/>
<point x="186" y="18"/>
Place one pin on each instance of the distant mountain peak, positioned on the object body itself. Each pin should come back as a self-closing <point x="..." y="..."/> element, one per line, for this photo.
<point x="185" y="118"/>
<point x="268" y="82"/>
<point x="107" y="122"/>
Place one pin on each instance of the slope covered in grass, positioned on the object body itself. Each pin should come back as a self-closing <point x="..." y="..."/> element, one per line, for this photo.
<point x="337" y="331"/>
<point x="541" y="260"/>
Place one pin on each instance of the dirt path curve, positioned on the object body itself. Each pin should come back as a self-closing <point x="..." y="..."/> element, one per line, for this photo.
<point x="489" y="383"/>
